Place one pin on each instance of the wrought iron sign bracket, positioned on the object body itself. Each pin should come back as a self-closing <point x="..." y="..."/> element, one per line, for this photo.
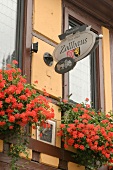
<point x="72" y="31"/>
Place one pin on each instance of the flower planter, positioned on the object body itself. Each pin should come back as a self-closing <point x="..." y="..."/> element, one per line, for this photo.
<point x="89" y="132"/>
<point x="20" y="106"/>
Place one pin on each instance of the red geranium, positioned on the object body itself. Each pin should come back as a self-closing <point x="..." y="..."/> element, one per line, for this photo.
<point x="89" y="132"/>
<point x="20" y="103"/>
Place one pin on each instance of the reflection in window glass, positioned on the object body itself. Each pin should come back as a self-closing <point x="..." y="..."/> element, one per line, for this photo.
<point x="8" y="13"/>
<point x="79" y="81"/>
<point x="80" y="77"/>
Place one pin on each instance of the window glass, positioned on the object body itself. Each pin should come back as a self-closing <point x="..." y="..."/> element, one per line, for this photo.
<point x="8" y="16"/>
<point x="80" y="77"/>
<point x="79" y="81"/>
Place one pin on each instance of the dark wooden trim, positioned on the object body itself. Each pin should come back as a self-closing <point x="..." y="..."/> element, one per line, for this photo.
<point x="38" y="147"/>
<point x="30" y="165"/>
<point x="98" y="101"/>
<point x="81" y="16"/>
<point x="101" y="78"/>
<point x="65" y="86"/>
<point x="109" y="2"/>
<point x="104" y="167"/>
<point x="27" y="39"/>
<point x="102" y="10"/>
<point x="65" y="76"/>
<point x="44" y="38"/>
<point x="63" y="164"/>
<point x="6" y="147"/>
<point x="23" y="164"/>
<point x="51" y="150"/>
<point x="19" y="32"/>
<point x="35" y="156"/>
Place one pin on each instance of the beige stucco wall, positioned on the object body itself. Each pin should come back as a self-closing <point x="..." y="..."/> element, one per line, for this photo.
<point x="29" y="152"/>
<point x="47" y="16"/>
<point x="46" y="75"/>
<point x="73" y="166"/>
<point x="1" y="145"/>
<point x="49" y="160"/>
<point x="107" y="69"/>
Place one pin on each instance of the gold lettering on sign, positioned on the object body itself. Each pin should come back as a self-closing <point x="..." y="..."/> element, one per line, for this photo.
<point x="72" y="45"/>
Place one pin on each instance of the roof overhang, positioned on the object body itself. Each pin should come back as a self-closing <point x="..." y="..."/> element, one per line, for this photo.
<point x="100" y="9"/>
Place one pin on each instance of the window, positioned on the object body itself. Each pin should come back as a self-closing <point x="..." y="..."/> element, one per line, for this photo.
<point x="80" y="77"/>
<point x="11" y="28"/>
<point x="84" y="80"/>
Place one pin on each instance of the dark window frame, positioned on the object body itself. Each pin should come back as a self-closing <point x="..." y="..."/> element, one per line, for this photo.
<point x="23" y="39"/>
<point x="27" y="39"/>
<point x="19" y="32"/>
<point x="82" y="17"/>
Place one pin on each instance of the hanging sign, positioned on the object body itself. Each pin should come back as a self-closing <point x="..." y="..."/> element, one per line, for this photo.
<point x="64" y="65"/>
<point x="76" y="46"/>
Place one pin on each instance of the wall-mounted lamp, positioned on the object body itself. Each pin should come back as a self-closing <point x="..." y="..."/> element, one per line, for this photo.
<point x="34" y="47"/>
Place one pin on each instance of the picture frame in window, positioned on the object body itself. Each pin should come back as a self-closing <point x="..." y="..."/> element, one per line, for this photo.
<point x="47" y="135"/>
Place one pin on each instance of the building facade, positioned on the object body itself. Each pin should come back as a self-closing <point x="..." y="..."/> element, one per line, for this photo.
<point x="24" y="22"/>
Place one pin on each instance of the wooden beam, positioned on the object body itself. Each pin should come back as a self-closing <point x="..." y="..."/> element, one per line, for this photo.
<point x="23" y="164"/>
<point x="51" y="150"/>
<point x="101" y="10"/>
<point x="109" y="2"/>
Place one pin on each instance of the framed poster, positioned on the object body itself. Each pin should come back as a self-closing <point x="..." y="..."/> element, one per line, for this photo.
<point x="47" y="135"/>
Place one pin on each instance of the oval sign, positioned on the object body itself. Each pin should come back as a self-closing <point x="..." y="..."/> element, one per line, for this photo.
<point x="76" y="46"/>
<point x="64" y="65"/>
